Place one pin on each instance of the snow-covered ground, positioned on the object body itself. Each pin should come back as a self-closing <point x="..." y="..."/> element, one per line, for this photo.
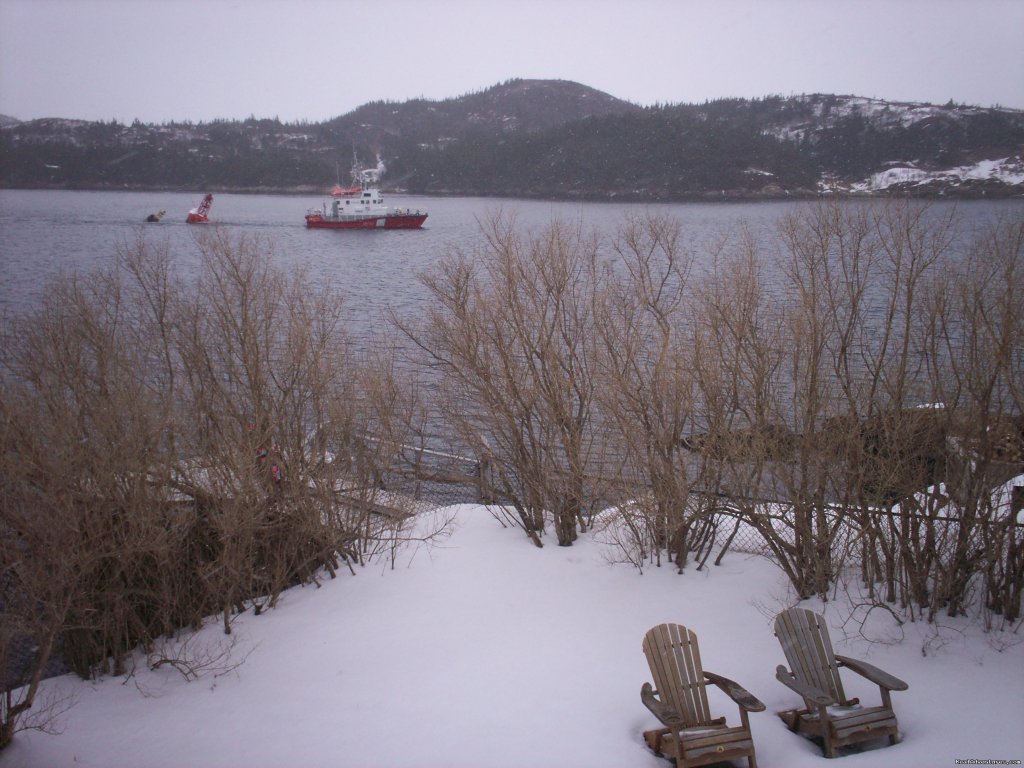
<point x="485" y="651"/>
<point x="1008" y="170"/>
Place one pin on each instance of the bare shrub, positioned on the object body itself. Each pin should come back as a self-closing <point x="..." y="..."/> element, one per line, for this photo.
<point x="509" y="335"/>
<point x="648" y="392"/>
<point x="864" y="388"/>
<point x="84" y="535"/>
<point x="171" y="451"/>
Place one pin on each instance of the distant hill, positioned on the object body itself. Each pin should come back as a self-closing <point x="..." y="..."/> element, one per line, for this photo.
<point x="527" y="106"/>
<point x="7" y="120"/>
<point x="553" y="139"/>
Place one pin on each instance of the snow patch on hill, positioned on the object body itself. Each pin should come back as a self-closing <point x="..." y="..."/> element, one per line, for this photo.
<point x="1007" y="170"/>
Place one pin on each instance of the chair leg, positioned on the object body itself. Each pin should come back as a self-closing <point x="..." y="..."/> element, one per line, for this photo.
<point x="791" y="718"/>
<point x="653" y="739"/>
<point x="751" y="760"/>
<point x="830" y="750"/>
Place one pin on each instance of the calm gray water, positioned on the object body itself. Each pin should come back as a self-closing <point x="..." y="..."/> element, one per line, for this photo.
<point x="44" y="234"/>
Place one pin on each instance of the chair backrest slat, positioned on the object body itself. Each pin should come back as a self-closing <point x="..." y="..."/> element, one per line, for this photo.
<point x="674" y="658"/>
<point x="803" y="635"/>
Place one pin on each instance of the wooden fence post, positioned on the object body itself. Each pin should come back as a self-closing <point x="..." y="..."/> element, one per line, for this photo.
<point x="485" y="492"/>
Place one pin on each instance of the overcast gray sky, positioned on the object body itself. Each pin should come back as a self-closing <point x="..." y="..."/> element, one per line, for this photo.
<point x="159" y="60"/>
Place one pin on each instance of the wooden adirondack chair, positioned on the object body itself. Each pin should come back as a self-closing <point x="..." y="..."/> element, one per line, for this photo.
<point x="680" y="702"/>
<point x="827" y="712"/>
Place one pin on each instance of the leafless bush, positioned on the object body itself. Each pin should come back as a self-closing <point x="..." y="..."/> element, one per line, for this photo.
<point x="976" y="319"/>
<point x="194" y="656"/>
<point x="27" y="709"/>
<point x="813" y="387"/>
<point x="509" y="334"/>
<point x="874" y="365"/>
<point x="648" y="389"/>
<point x="170" y="451"/>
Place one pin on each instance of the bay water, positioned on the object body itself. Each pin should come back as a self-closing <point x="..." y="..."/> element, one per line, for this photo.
<point x="45" y="234"/>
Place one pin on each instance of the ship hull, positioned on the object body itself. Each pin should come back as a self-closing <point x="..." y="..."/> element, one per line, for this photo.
<point x="391" y="221"/>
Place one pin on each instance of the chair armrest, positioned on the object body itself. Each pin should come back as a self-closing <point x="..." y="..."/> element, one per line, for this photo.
<point x="665" y="714"/>
<point x="808" y="692"/>
<point x="736" y="692"/>
<point x="872" y="673"/>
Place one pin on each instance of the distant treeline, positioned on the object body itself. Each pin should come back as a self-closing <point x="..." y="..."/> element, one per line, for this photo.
<point x="537" y="141"/>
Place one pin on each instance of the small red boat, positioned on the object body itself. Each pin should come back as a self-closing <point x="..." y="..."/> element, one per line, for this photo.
<point x="361" y="206"/>
<point x="199" y="215"/>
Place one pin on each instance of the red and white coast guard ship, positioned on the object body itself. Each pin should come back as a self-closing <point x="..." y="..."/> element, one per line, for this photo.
<point x="361" y="206"/>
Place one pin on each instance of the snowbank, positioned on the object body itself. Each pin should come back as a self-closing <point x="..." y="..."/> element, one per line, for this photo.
<point x="486" y="651"/>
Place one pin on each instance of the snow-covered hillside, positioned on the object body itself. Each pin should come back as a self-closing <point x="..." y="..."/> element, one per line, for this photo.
<point x="1007" y="170"/>
<point x="486" y="651"/>
<point x="863" y="127"/>
<point x="825" y="111"/>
